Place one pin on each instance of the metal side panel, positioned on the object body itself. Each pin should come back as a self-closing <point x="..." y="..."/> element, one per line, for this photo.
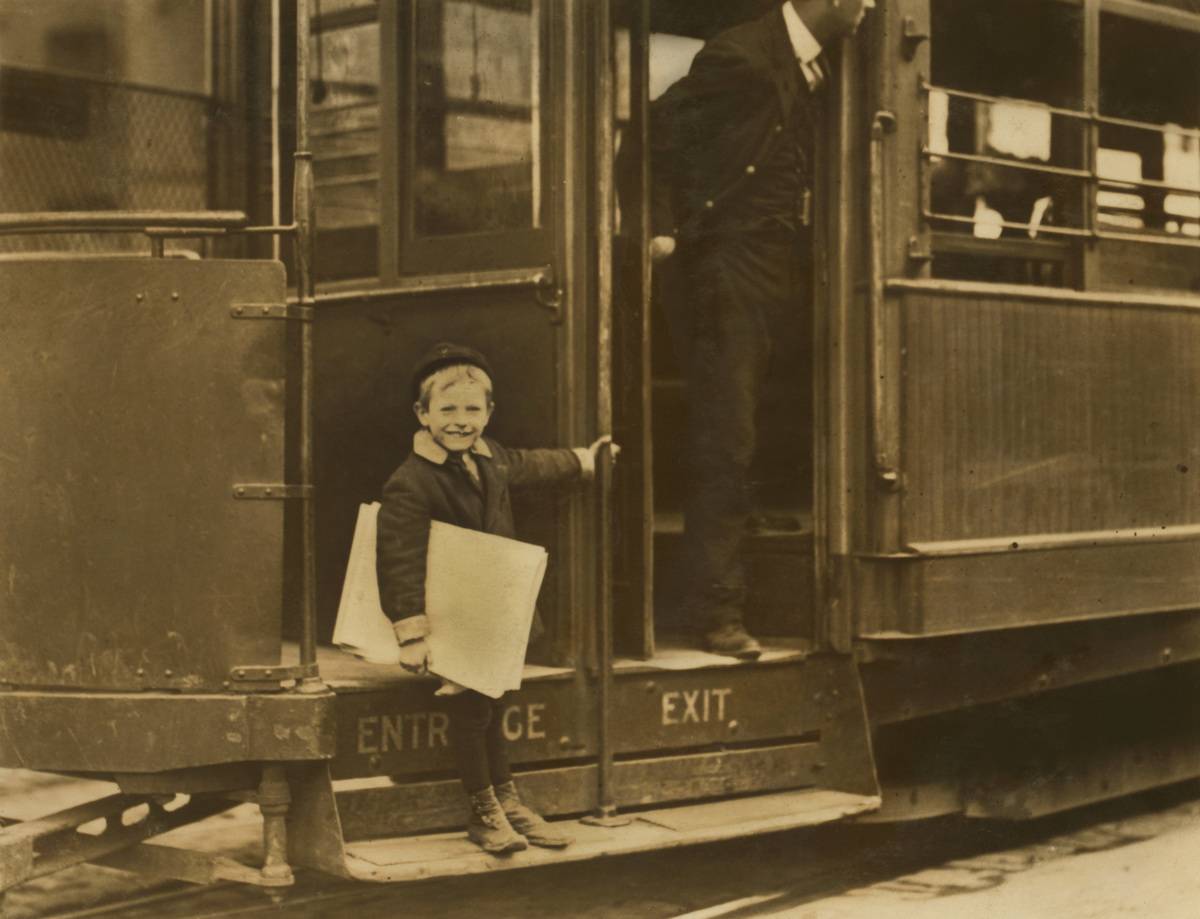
<point x="132" y="402"/>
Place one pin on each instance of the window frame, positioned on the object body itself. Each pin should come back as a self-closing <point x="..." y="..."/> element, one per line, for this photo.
<point x="401" y="254"/>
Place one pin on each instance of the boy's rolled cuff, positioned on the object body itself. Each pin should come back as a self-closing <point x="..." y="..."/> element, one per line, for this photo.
<point x="414" y="628"/>
<point x="587" y="462"/>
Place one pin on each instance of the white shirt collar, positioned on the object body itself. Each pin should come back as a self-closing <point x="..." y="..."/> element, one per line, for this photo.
<point x="807" y="48"/>
<point x="427" y="448"/>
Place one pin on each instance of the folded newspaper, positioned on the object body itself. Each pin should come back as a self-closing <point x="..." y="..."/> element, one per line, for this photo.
<point x="480" y="593"/>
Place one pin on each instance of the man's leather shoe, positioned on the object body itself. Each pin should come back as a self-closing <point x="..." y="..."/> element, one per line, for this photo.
<point x="733" y="640"/>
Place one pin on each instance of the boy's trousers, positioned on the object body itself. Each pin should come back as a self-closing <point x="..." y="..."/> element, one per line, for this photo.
<point x="477" y="737"/>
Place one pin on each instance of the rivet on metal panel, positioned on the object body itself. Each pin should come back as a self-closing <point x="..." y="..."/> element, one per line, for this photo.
<point x="1043" y="680"/>
<point x="374" y="761"/>
<point x="174" y="295"/>
<point x="733" y="726"/>
<point x="818" y="766"/>
<point x="266" y="311"/>
<point x="239" y="672"/>
<point x="141" y="672"/>
<point x="237" y="311"/>
<point x="239" y="491"/>
<point x="266" y="491"/>
<point x="564" y="741"/>
<point x="139" y="297"/>
<point x="1166" y="655"/>
<point x="651" y="686"/>
<point x="225" y="684"/>
<point x="166" y="673"/>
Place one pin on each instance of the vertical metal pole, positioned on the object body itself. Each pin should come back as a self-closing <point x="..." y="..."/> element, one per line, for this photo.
<point x="603" y="99"/>
<point x="304" y="216"/>
<point x="276" y="192"/>
<point x="639" y="135"/>
<point x="1089" y="259"/>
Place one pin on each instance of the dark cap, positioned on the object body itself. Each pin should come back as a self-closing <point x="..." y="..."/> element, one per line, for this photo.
<point x="444" y="354"/>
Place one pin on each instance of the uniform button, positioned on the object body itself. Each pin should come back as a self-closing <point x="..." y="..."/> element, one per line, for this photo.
<point x="708" y="204"/>
<point x="778" y="128"/>
<point x="750" y="170"/>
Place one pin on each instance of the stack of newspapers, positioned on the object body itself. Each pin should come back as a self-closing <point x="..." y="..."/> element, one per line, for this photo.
<point x="480" y="594"/>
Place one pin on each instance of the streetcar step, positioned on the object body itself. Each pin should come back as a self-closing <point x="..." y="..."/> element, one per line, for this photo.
<point x="451" y="854"/>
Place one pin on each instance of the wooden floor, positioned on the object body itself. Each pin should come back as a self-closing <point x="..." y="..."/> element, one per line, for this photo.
<point x="342" y="670"/>
<point x="451" y="854"/>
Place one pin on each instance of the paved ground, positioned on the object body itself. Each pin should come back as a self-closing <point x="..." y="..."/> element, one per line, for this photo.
<point x="1146" y="867"/>
<point x="1135" y="858"/>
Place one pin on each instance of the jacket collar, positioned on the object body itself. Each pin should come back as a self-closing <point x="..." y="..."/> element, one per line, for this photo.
<point x="429" y="449"/>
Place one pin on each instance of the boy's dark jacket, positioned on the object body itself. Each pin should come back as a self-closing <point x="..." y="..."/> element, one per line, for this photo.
<point x="428" y="486"/>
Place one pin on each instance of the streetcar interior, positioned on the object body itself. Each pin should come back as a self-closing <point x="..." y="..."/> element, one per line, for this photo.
<point x="778" y="549"/>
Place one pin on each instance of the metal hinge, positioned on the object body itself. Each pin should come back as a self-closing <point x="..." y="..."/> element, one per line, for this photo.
<point x="264" y="674"/>
<point x="550" y="296"/>
<point x="275" y="492"/>
<point x="918" y="251"/>
<point x="292" y="311"/>
<point x="911" y="38"/>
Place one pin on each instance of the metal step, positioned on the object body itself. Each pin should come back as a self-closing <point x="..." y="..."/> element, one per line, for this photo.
<point x="451" y="854"/>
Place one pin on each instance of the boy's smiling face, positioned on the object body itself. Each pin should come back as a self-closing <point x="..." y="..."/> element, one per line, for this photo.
<point x="457" y="414"/>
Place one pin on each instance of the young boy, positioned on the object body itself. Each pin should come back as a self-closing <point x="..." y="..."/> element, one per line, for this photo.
<point x="457" y="476"/>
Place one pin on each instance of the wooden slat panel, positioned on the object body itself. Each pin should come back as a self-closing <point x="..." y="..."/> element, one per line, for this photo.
<point x="1026" y="417"/>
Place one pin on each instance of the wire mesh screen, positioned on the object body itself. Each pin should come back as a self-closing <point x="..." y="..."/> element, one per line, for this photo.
<point x="76" y="144"/>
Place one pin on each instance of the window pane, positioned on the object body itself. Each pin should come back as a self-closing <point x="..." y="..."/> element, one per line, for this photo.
<point x="1149" y="75"/>
<point x="345" y="141"/>
<point x="478" y="117"/>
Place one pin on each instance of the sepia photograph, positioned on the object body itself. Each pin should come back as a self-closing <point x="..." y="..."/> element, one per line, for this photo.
<point x="615" y="459"/>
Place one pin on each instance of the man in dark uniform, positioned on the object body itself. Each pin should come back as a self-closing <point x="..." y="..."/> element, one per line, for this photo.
<point x="731" y="155"/>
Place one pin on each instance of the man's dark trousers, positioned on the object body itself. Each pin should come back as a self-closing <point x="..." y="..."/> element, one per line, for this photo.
<point x="741" y="306"/>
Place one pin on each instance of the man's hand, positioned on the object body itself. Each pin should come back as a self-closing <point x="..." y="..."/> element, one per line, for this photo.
<point x="661" y="248"/>
<point x="414" y="656"/>
<point x="595" y="445"/>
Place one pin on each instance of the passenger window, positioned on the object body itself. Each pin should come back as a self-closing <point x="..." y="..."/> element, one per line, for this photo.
<point x="106" y="106"/>
<point x="1149" y="156"/>
<point x="474" y="135"/>
<point x="345" y="132"/>
<point x="1006" y="145"/>
<point x="478" y="118"/>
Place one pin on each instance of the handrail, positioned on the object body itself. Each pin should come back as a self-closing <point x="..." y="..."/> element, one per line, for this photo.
<point x="883" y="446"/>
<point x="304" y="217"/>
<point x="119" y="221"/>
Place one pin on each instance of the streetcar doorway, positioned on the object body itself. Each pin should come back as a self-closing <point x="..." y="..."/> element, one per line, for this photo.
<point x="655" y="410"/>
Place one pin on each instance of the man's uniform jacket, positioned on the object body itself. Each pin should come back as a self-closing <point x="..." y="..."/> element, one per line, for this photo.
<point x="713" y="129"/>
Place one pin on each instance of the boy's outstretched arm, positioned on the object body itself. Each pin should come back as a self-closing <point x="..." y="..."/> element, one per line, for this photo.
<point x="552" y="465"/>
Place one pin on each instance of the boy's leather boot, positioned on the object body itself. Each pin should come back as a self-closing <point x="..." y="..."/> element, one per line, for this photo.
<point x="488" y="828"/>
<point x="529" y="824"/>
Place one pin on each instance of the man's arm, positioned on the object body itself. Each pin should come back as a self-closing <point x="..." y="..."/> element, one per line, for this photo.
<point x="718" y="93"/>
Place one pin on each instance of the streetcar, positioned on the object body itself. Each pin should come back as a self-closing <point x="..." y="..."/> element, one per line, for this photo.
<point x="976" y="570"/>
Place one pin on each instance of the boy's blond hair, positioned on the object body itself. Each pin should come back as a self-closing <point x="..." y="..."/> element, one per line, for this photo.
<point x="447" y="376"/>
